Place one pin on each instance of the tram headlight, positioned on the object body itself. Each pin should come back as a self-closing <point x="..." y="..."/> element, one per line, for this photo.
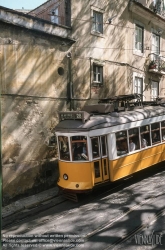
<point x="65" y="176"/>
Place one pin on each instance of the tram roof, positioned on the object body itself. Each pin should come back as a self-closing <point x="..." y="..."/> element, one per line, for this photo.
<point x="98" y="121"/>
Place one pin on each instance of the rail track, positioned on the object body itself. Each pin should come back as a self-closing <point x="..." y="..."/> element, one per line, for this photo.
<point x="57" y="201"/>
<point x="85" y="206"/>
<point x="133" y="232"/>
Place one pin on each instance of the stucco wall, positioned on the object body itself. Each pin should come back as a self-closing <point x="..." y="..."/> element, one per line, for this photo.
<point x="114" y="49"/>
<point x="32" y="93"/>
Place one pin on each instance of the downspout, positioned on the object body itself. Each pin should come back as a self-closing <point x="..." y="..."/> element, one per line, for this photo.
<point x="90" y="79"/>
<point x="70" y="87"/>
<point x="70" y="96"/>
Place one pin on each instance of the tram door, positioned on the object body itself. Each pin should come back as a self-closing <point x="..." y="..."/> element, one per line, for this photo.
<point x="100" y="159"/>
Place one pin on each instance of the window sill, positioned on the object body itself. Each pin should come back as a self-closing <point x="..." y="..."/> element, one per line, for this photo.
<point x="95" y="33"/>
<point x="138" y="53"/>
<point x="97" y="84"/>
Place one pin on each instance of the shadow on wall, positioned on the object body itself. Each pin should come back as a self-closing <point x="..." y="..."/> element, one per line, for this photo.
<point x="33" y="178"/>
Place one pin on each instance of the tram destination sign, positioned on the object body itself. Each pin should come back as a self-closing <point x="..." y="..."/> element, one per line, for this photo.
<point x="74" y="115"/>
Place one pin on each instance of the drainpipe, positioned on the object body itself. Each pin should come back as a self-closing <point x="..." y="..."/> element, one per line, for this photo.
<point x="70" y="97"/>
<point x="70" y="87"/>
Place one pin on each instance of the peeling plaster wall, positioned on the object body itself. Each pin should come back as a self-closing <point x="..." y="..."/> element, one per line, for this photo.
<point x="32" y="94"/>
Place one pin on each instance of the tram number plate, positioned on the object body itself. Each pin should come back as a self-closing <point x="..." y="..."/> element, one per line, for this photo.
<point x="74" y="115"/>
<point x="71" y="116"/>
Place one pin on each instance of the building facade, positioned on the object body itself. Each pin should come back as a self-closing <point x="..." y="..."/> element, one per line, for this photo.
<point x="34" y="87"/>
<point x="116" y="46"/>
<point x="56" y="11"/>
<point x="61" y="56"/>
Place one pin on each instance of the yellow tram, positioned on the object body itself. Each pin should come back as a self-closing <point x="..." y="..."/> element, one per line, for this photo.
<point x="109" y="141"/>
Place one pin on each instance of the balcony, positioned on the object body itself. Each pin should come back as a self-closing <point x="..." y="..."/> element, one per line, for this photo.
<point x="157" y="64"/>
<point x="158" y="7"/>
<point x="150" y="10"/>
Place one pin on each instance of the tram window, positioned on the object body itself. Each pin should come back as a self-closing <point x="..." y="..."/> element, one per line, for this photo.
<point x="79" y="138"/>
<point x="64" y="148"/>
<point x="133" y="139"/>
<point x="163" y="130"/>
<point x="95" y="147"/>
<point x="145" y="136"/>
<point x="97" y="169"/>
<point x="121" y="143"/>
<point x="155" y="132"/>
<point x="79" y="148"/>
<point x="104" y="145"/>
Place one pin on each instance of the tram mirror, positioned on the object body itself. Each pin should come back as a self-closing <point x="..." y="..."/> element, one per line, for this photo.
<point x="52" y="140"/>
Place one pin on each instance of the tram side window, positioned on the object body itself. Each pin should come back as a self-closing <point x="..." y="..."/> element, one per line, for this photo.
<point x="79" y="148"/>
<point x="64" y="148"/>
<point x="145" y="136"/>
<point x="133" y="139"/>
<point x="95" y="147"/>
<point x="155" y="133"/>
<point x="163" y="130"/>
<point x="121" y="143"/>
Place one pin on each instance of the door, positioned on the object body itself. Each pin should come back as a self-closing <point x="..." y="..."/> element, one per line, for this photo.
<point x="100" y="159"/>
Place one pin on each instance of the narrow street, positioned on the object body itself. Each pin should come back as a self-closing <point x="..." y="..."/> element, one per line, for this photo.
<point x="132" y="217"/>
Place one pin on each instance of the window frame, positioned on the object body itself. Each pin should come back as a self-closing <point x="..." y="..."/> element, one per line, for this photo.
<point x="124" y="141"/>
<point x="94" y="31"/>
<point x="92" y="149"/>
<point x="136" y="86"/>
<point x="55" y="16"/>
<point x="97" y="23"/>
<point x="152" y="88"/>
<point x="139" y="75"/>
<point x="133" y="135"/>
<point x="159" y="140"/>
<point x="84" y="144"/>
<point x="145" y="132"/>
<point x="135" y="50"/>
<point x="103" y="138"/>
<point x="98" y="73"/>
<point x="155" y="53"/>
<point x="162" y="132"/>
<point x="139" y="27"/>
<point x="64" y="141"/>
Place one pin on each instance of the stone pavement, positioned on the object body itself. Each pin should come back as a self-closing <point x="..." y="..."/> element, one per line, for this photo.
<point x="29" y="202"/>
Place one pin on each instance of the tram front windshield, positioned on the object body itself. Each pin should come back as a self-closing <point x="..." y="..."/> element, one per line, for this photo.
<point x="64" y="148"/>
<point x="78" y="151"/>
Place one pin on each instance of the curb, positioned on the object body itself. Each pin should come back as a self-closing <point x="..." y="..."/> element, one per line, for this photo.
<point x="29" y="202"/>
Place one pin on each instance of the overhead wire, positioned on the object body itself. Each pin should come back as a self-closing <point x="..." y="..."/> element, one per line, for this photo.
<point x="86" y="20"/>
